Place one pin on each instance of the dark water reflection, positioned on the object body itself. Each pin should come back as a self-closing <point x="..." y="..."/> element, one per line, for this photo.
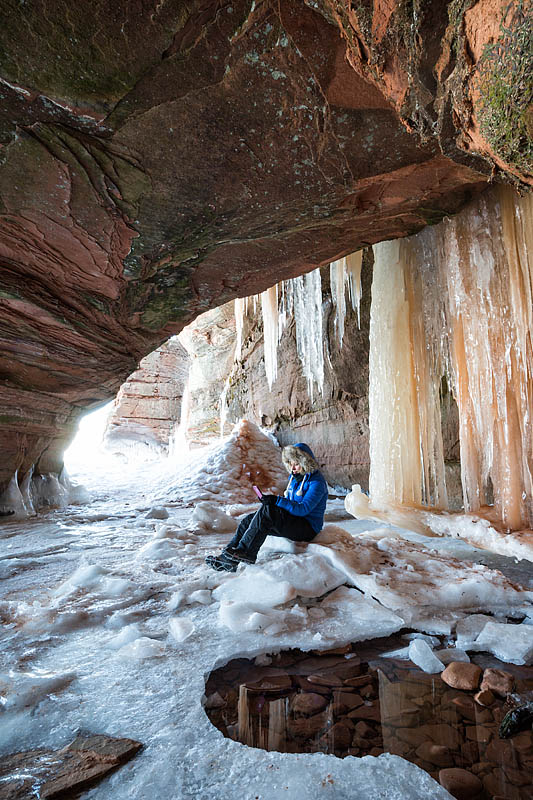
<point x="359" y="703"/>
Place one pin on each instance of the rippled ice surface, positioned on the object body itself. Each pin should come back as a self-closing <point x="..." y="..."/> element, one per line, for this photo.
<point x="87" y="597"/>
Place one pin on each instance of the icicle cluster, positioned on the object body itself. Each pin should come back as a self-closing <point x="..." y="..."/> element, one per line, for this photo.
<point x="456" y="300"/>
<point x="345" y="273"/>
<point x="301" y="299"/>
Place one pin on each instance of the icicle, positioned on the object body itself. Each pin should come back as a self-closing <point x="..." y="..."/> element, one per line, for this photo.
<point x="395" y="464"/>
<point x="240" y="310"/>
<point x="353" y="265"/>
<point x="307" y="299"/>
<point x="269" y="308"/>
<point x="224" y="407"/>
<point x="456" y="300"/>
<point x="337" y="271"/>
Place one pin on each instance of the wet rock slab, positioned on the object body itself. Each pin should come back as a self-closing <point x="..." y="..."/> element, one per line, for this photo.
<point x="63" y="773"/>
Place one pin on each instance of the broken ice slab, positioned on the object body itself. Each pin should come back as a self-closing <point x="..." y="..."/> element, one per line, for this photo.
<point x="423" y="656"/>
<point x="510" y="643"/>
<point x="60" y="773"/>
<point x="310" y="574"/>
<point x="468" y="629"/>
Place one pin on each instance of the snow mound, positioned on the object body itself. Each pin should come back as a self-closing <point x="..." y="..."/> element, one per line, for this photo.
<point x="225" y="472"/>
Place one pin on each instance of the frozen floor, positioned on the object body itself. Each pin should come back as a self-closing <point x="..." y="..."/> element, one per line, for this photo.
<point x="111" y="623"/>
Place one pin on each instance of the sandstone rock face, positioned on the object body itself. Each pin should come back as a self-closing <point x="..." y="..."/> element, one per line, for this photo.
<point x="148" y="405"/>
<point x="210" y="343"/>
<point x="175" y="156"/>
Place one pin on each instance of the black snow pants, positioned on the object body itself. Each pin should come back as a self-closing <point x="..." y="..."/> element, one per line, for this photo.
<point x="269" y="520"/>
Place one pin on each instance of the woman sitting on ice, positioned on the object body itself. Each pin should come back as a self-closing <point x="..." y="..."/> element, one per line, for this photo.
<point x="298" y="515"/>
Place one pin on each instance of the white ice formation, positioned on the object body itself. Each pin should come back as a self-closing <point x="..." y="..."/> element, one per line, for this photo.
<point x="436" y="297"/>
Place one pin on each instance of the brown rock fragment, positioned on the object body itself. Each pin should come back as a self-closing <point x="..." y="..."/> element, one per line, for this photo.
<point x="338" y="737"/>
<point x="435" y="754"/>
<point x="308" y="703"/>
<point x="460" y="782"/>
<point x="307" y="726"/>
<point x="345" y="701"/>
<point x="497" y="681"/>
<point x="468" y="709"/>
<point x="77" y="766"/>
<point x="484" y="697"/>
<point x="460" y="675"/>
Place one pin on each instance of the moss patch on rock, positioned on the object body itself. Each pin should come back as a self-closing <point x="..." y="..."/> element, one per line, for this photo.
<point x="505" y="86"/>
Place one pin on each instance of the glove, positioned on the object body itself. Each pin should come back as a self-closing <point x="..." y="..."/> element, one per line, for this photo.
<point x="269" y="499"/>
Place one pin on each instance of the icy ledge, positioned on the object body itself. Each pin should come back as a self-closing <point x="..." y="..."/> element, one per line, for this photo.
<point x="473" y="529"/>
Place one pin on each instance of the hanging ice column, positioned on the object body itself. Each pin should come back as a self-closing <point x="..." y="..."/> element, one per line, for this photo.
<point x="456" y="299"/>
<point x="345" y="273"/>
<point x="406" y="454"/>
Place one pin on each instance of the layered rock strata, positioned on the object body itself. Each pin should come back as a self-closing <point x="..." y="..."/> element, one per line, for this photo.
<point x="158" y="160"/>
<point x="148" y="405"/>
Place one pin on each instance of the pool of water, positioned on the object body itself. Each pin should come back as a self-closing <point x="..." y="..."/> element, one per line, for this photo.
<point x="356" y="702"/>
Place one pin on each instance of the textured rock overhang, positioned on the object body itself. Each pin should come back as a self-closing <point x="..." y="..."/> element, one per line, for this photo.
<point x="158" y="159"/>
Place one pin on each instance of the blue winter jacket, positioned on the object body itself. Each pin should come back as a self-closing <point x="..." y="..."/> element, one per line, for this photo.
<point x="306" y="498"/>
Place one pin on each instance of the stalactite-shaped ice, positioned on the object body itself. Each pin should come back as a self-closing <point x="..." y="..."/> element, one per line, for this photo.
<point x="353" y="265"/>
<point x="239" y="306"/>
<point x="337" y="275"/>
<point x="269" y="308"/>
<point x="345" y="273"/>
<point x="307" y="305"/>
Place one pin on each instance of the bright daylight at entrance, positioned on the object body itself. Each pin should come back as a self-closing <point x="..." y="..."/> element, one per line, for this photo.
<point x="266" y="349"/>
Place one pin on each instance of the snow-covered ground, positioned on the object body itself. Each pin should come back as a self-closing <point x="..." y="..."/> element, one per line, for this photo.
<point x="112" y="622"/>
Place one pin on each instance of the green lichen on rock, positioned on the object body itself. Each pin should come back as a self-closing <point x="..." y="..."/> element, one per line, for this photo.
<point x="505" y="86"/>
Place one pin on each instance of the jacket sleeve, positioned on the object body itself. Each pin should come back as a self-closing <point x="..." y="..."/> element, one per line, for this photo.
<point x="313" y="495"/>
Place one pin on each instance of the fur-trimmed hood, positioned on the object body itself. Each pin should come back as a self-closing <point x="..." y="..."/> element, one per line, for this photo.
<point x="300" y="454"/>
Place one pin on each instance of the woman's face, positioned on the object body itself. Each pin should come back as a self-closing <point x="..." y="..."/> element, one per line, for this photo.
<point x="296" y="469"/>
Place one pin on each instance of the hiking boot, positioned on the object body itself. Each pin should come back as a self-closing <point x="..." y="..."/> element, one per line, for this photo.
<point x="222" y="563"/>
<point x="238" y="555"/>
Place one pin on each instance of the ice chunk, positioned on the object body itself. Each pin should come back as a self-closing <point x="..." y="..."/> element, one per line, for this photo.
<point x="239" y="617"/>
<point x="157" y="512"/>
<point x="86" y="577"/>
<point x="159" y="549"/>
<point x="256" y="587"/>
<point x="423" y="656"/>
<point x="144" y="647"/>
<point x="180" y="628"/>
<point x="281" y="545"/>
<point x="311" y="574"/>
<point x="210" y="517"/>
<point x="469" y="628"/>
<point x="202" y="596"/>
<point x="128" y="634"/>
<point x="511" y="643"/>
<point x="433" y="641"/>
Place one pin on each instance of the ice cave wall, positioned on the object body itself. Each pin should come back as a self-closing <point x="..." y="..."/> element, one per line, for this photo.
<point x="159" y="159"/>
